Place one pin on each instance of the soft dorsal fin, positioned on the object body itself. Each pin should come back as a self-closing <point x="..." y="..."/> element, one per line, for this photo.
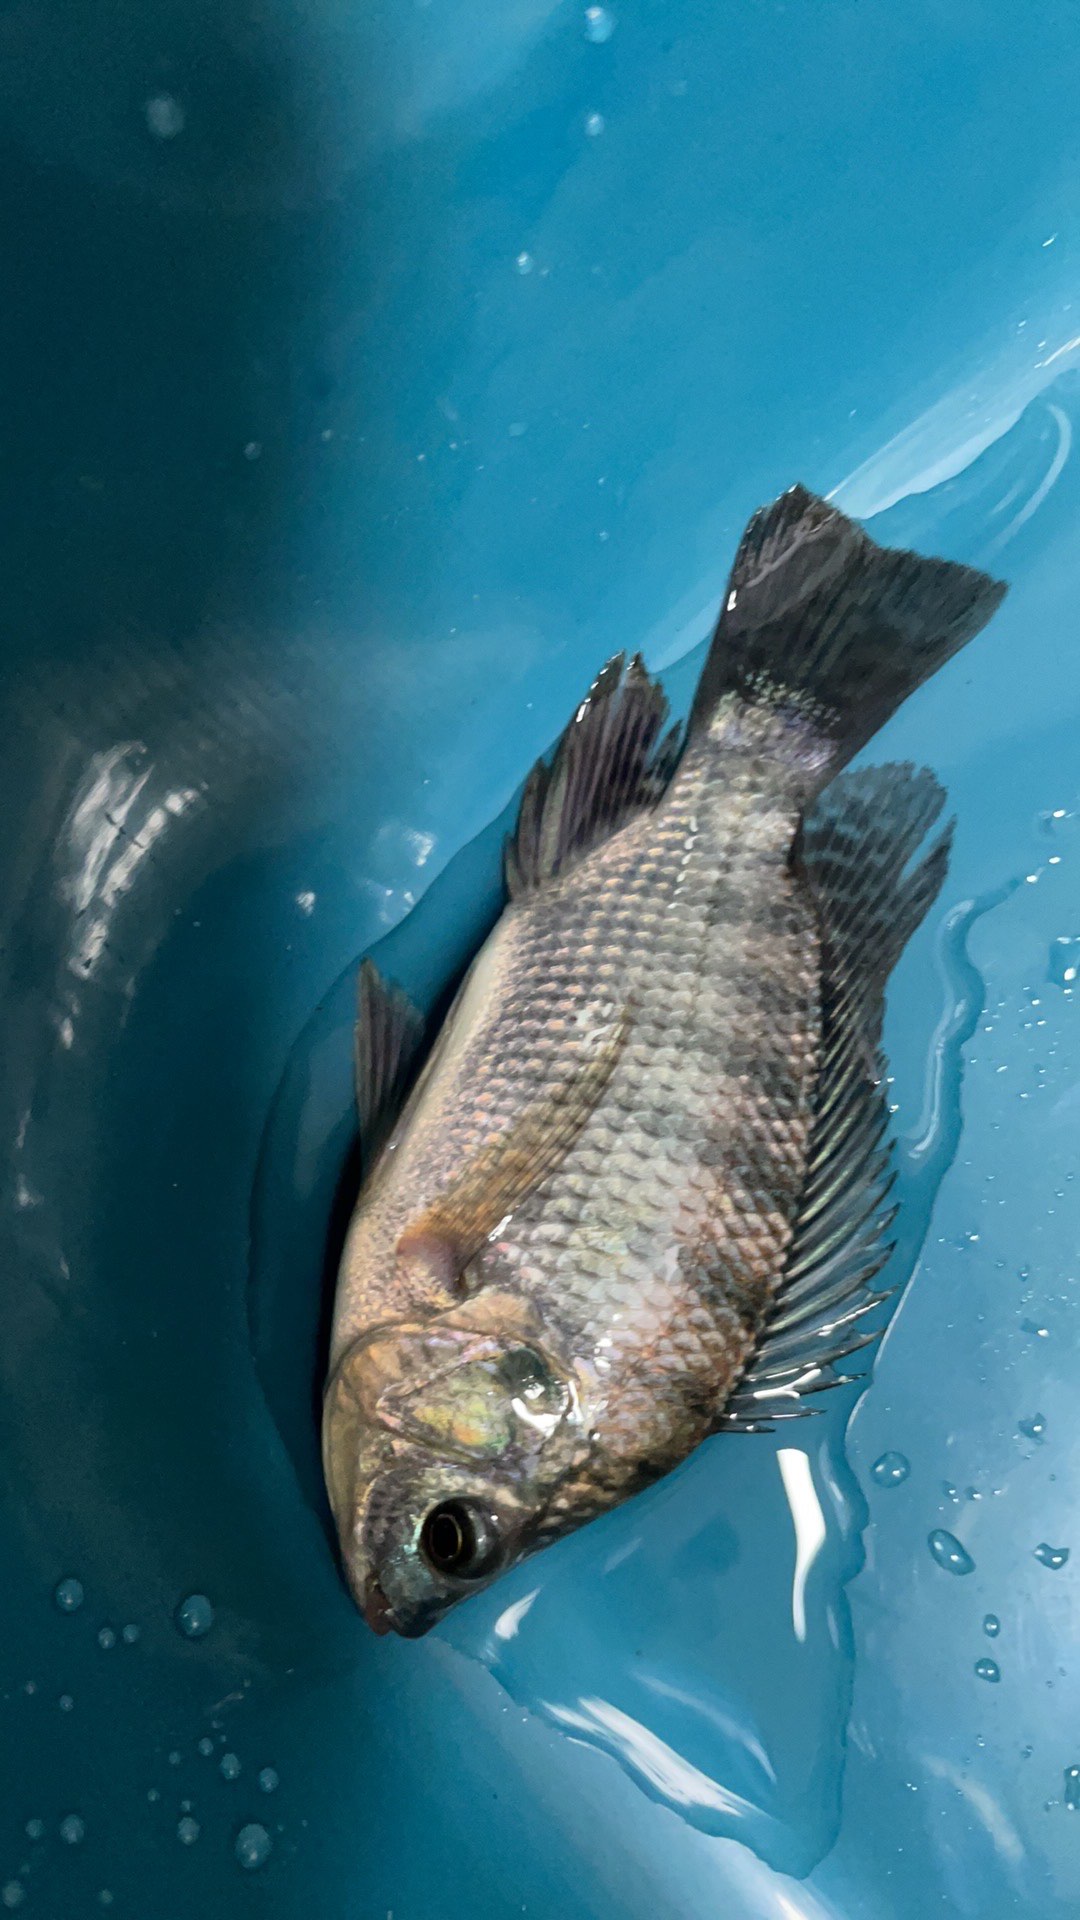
<point x="389" y="1030"/>
<point x="856" y="846"/>
<point x="609" y="765"/>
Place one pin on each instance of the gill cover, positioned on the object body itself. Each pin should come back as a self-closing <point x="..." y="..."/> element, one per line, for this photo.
<point x="471" y="1385"/>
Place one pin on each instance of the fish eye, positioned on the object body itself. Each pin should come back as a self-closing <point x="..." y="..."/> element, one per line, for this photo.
<point x="457" y="1539"/>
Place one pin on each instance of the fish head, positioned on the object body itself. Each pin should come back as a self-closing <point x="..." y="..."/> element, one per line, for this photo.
<point x="443" y="1443"/>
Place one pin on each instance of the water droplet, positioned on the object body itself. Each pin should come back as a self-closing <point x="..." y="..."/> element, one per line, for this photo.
<point x="253" y="450"/>
<point x="165" y="116"/>
<point x="13" y="1894"/>
<point x="268" y="1779"/>
<point x="1033" y="1428"/>
<point x="229" y="1767"/>
<point x="153" y="1795"/>
<point x="66" y="1702"/>
<point x="949" y="1553"/>
<point x="129" y="1634"/>
<point x="988" y="1670"/>
<point x="1048" y="1556"/>
<point x="187" y="1830"/>
<point x="175" y="1757"/>
<point x="1072" y="1789"/>
<point x="524" y="263"/>
<point x="72" y="1829"/>
<point x="594" y="125"/>
<point x="206" y="1746"/>
<point x="599" y="25"/>
<point x="1064" y="962"/>
<point x="69" y="1596"/>
<point x="35" y="1829"/>
<point x="194" y="1616"/>
<point x="106" y="1638"/>
<point x="253" y="1846"/>
<point x="891" y="1469"/>
<point x="991" y="1625"/>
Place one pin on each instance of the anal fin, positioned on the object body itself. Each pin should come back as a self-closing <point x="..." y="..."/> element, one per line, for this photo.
<point x="855" y="853"/>
<point x="610" y="764"/>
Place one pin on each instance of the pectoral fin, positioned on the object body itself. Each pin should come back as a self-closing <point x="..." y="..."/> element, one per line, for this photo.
<point x="512" y="1164"/>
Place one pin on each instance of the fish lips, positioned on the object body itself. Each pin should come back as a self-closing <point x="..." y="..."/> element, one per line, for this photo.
<point x="373" y="1603"/>
<point x="382" y="1618"/>
<point x="377" y="1610"/>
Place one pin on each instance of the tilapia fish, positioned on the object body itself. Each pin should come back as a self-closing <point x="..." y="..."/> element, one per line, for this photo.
<point x="638" y="1191"/>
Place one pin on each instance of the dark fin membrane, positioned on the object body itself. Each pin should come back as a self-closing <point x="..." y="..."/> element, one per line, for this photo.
<point x="389" y="1030"/>
<point x="816" y="611"/>
<point x="854" y="855"/>
<point x="452" y="1230"/>
<point x="609" y="766"/>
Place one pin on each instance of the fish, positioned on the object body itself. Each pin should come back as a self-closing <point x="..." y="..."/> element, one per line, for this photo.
<point x="636" y="1191"/>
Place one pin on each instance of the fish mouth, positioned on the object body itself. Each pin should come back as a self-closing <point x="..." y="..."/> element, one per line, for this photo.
<point x="382" y="1619"/>
<point x="377" y="1610"/>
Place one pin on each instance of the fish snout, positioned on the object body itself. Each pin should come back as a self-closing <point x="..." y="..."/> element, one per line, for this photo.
<point x="376" y="1608"/>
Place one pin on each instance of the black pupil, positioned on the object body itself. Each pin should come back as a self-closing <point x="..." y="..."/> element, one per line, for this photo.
<point x="449" y="1537"/>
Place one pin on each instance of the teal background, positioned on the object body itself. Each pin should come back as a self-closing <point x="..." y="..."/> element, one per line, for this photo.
<point x="356" y="401"/>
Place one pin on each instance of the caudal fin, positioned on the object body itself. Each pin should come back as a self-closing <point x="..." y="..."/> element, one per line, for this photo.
<point x="820" y="617"/>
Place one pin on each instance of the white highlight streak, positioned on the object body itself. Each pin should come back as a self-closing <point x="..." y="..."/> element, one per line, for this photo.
<point x="809" y="1523"/>
<point x="1064" y="448"/>
<point x="511" y="1617"/>
<point x="680" y="1782"/>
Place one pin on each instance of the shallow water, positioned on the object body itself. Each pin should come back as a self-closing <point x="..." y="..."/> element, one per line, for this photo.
<point x="484" y="393"/>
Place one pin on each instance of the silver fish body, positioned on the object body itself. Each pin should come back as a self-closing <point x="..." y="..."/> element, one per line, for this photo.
<point x="638" y="1189"/>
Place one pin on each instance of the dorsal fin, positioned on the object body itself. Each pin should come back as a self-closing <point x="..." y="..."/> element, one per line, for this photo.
<point x="389" y="1030"/>
<point x="854" y="855"/>
<point x="609" y="765"/>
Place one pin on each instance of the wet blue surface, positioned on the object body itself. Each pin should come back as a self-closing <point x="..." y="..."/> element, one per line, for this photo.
<point x="360" y="395"/>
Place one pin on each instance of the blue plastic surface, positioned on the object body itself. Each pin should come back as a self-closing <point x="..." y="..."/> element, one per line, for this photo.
<point x="367" y="376"/>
